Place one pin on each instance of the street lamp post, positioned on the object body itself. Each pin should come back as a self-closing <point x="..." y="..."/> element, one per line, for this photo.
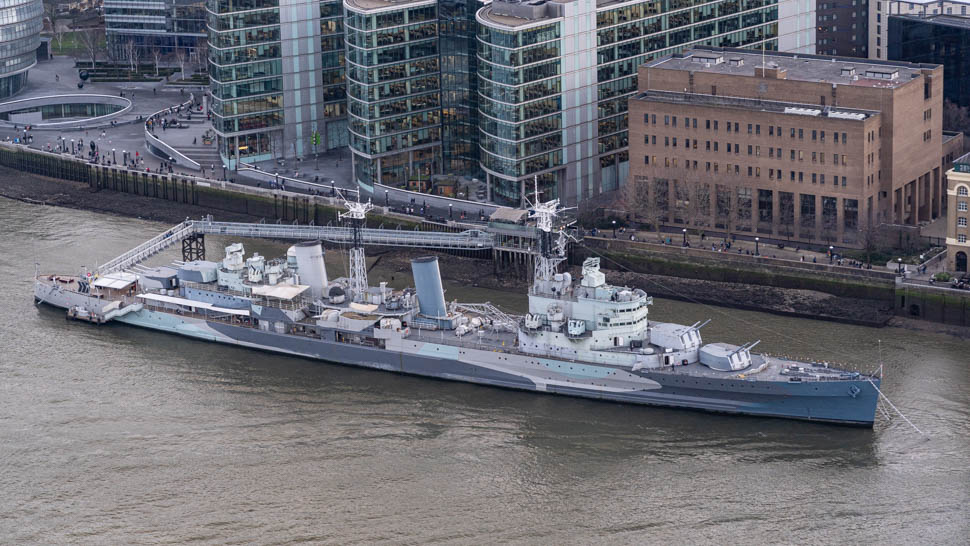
<point x="386" y="199"/>
<point x="831" y="253"/>
<point x="450" y="212"/>
<point x="684" y="231"/>
<point x="614" y="229"/>
<point x="114" y="155"/>
<point x="899" y="266"/>
<point x="757" y="248"/>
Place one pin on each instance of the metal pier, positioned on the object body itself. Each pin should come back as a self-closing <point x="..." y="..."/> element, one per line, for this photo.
<point x="466" y="240"/>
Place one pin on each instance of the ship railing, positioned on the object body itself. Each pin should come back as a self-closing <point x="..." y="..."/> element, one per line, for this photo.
<point x="467" y="240"/>
<point x="468" y="341"/>
<point x="148" y="249"/>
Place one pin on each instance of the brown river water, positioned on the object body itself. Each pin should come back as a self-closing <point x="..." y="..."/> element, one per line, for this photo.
<point x="118" y="435"/>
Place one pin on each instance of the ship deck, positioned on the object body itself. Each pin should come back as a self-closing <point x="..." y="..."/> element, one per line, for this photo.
<point x="763" y="368"/>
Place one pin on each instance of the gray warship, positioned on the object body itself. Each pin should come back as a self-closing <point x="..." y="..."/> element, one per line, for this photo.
<point x="588" y="338"/>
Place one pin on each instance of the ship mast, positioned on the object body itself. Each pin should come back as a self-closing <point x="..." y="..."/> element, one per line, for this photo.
<point x="550" y="253"/>
<point x="355" y="215"/>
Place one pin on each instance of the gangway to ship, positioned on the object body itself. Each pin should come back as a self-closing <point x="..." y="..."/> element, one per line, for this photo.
<point x="466" y="240"/>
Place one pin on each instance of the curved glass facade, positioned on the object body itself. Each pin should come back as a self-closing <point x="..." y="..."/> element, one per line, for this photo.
<point x="520" y="104"/>
<point x="553" y="105"/>
<point x="20" y="24"/>
<point x="393" y="84"/>
<point x="276" y="71"/>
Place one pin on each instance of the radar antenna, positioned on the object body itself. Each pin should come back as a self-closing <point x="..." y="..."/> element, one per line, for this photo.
<point x="550" y="253"/>
<point x="355" y="215"/>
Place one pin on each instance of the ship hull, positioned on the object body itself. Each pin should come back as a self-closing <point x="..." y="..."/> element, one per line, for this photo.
<point x="840" y="402"/>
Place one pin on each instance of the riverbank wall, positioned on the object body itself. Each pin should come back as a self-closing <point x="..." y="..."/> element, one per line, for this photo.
<point x="933" y="303"/>
<point x="137" y="193"/>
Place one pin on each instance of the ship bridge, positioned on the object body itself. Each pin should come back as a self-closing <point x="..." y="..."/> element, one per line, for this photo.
<point x="191" y="234"/>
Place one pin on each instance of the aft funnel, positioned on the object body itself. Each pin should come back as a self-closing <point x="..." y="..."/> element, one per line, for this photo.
<point x="427" y="281"/>
<point x="310" y="266"/>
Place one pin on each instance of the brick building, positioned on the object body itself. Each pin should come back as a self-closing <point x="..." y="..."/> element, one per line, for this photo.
<point x="957" y="244"/>
<point x="809" y="148"/>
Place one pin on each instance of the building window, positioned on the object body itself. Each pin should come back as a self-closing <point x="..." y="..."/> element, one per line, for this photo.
<point x="715" y="145"/>
<point x="646" y="160"/>
<point x="749" y="171"/>
<point x="736" y="125"/>
<point x="821" y="179"/>
<point x="836" y="137"/>
<point x="695" y="123"/>
<point x="845" y="140"/>
<point x="822" y="136"/>
<point x="729" y="126"/>
<point x="778" y="153"/>
<point x="793" y="176"/>
<point x="666" y="120"/>
<point x="750" y="149"/>
<point x="666" y="141"/>
<point x="653" y="119"/>
<point x="708" y="145"/>
<point x="771" y="152"/>
<point x="646" y="139"/>
<point x="792" y="132"/>
<point x="801" y="134"/>
<point x="843" y="181"/>
<point x="708" y="124"/>
<point x="814" y="134"/>
<point x="715" y="125"/>
<point x="674" y="121"/>
<point x="749" y="128"/>
<point x="962" y="206"/>
<point x="962" y="221"/>
<point x="801" y="176"/>
<point x="814" y="157"/>
<point x="814" y="178"/>
<point x="771" y="130"/>
<point x="757" y="129"/>
<point x="962" y="191"/>
<point x="793" y="155"/>
<point x="835" y="159"/>
<point x="646" y="118"/>
<point x="961" y="238"/>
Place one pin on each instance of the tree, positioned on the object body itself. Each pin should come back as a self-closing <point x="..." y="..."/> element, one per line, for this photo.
<point x="786" y="216"/>
<point x="634" y="198"/>
<point x="725" y="207"/>
<point x="869" y="237"/>
<point x="92" y="38"/>
<point x="130" y="52"/>
<point x="181" y="57"/>
<point x="955" y="117"/>
<point x="50" y="13"/>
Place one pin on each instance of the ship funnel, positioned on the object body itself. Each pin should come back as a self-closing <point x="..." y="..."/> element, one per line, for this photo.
<point x="310" y="266"/>
<point x="427" y="281"/>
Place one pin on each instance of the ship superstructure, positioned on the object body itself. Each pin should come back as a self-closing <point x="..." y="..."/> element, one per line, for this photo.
<point x="587" y="338"/>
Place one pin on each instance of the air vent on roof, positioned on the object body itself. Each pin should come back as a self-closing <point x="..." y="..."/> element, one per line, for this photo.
<point x="848" y="71"/>
<point x="736" y="61"/>
<point x="888" y="74"/>
<point x="803" y="111"/>
<point x="707" y="59"/>
<point x="846" y="115"/>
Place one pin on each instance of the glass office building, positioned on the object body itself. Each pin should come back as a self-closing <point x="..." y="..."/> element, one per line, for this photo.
<point x="20" y="24"/>
<point x="276" y="74"/>
<point x="393" y="84"/>
<point x="513" y="91"/>
<point x="940" y="39"/>
<point x="159" y="26"/>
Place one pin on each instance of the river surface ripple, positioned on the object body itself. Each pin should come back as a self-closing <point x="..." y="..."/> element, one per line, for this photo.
<point x="117" y="435"/>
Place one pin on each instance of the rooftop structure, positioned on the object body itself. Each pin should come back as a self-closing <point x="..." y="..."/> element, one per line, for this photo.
<point x="794" y="67"/>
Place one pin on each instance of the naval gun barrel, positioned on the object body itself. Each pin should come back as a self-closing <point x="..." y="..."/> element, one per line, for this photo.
<point x="746" y="347"/>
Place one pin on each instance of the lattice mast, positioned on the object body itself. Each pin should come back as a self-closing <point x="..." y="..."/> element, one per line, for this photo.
<point x="355" y="215"/>
<point x="551" y="250"/>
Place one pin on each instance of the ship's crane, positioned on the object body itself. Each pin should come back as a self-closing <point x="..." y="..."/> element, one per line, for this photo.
<point x="355" y="215"/>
